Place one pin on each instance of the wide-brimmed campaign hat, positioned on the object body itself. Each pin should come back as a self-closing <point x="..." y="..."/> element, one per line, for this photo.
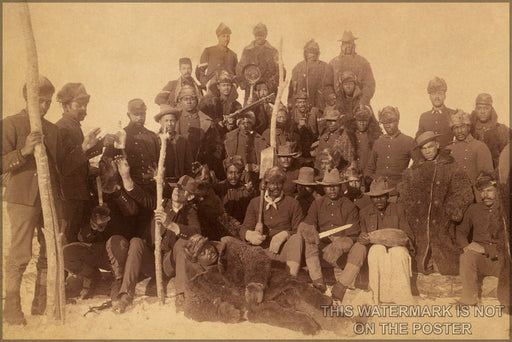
<point x="288" y="149"/>
<point x="425" y="137"/>
<point x="306" y="176"/>
<point x="166" y="109"/>
<point x="332" y="178"/>
<point x="379" y="187"/>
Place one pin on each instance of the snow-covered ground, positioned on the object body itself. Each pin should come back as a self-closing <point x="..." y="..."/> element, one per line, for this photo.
<point x="147" y="319"/>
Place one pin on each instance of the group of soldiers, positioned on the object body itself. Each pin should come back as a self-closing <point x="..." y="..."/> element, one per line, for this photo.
<point x="432" y="203"/>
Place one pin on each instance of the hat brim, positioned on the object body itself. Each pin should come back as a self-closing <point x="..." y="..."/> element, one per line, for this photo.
<point x="296" y="181"/>
<point x="435" y="136"/>
<point x="378" y="193"/>
<point x="331" y="184"/>
<point x="347" y="40"/>
<point x="293" y="155"/>
<point x="175" y="111"/>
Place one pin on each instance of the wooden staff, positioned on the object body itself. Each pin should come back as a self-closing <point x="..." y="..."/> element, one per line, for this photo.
<point x="160" y="176"/>
<point x="56" y="298"/>
<point x="100" y="191"/>
<point x="268" y="155"/>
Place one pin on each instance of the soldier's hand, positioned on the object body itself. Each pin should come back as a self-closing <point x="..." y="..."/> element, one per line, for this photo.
<point x="122" y="166"/>
<point x="91" y="139"/>
<point x="259" y="227"/>
<point x="31" y="141"/>
<point x="363" y="239"/>
<point x="254" y="237"/>
<point x="160" y="217"/>
<point x="249" y="186"/>
<point x="278" y="240"/>
<point x="110" y="139"/>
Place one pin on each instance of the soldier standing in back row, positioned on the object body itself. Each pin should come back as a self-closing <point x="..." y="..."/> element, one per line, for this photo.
<point x="436" y="119"/>
<point x="216" y="58"/>
<point x="76" y="191"/>
<point x="485" y="127"/>
<point x="349" y="60"/>
<point x="23" y="204"/>
<point x="311" y="76"/>
<point x="263" y="55"/>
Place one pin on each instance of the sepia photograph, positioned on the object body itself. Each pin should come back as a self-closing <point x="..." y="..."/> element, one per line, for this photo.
<point x="270" y="170"/>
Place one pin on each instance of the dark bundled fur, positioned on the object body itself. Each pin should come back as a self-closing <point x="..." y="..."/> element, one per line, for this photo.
<point x="218" y="293"/>
<point x="451" y="195"/>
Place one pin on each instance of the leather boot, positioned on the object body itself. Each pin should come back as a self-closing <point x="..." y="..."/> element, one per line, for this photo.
<point x="89" y="284"/>
<point x="338" y="291"/>
<point x="12" y="310"/>
<point x="39" y="302"/>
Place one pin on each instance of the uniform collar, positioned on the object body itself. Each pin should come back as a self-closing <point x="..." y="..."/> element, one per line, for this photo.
<point x="393" y="136"/>
<point x="438" y="111"/>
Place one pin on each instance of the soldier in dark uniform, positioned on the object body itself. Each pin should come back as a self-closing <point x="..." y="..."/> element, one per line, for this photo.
<point x="391" y="152"/>
<point x="216" y="58"/>
<point x="178" y="156"/>
<point x="262" y="54"/>
<point x="306" y="121"/>
<point x="485" y="127"/>
<point x="287" y="155"/>
<point x="311" y="76"/>
<point x="367" y="132"/>
<point x="169" y="94"/>
<point x="23" y="202"/>
<point x="437" y="119"/>
<point x="286" y="131"/>
<point x="76" y="190"/>
<point x="221" y="98"/>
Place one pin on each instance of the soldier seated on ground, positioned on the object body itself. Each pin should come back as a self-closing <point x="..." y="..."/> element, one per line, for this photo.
<point x="235" y="280"/>
<point x="389" y="263"/>
<point x="331" y="211"/>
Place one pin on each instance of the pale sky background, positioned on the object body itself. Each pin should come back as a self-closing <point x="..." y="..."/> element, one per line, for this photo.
<point x="122" y="51"/>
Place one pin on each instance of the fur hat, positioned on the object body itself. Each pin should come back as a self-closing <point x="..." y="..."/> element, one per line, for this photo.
<point x="260" y="29"/>
<point x="222" y="29"/>
<point x="363" y="112"/>
<point x="389" y="114"/>
<point x="459" y="118"/>
<point x="347" y="76"/>
<point x="312" y="45"/>
<point x="300" y="94"/>
<point x="274" y="175"/>
<point x="436" y="84"/>
<point x="332" y="114"/>
<point x="484" y="99"/>
<point x="187" y="90"/>
<point x="249" y="114"/>
<point x="72" y="92"/>
<point x="236" y="161"/>
<point x="135" y="105"/>
<point x="46" y="87"/>
<point x="484" y="180"/>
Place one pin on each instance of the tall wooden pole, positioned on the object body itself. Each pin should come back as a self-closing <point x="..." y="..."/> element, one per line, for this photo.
<point x="55" y="290"/>
<point x="160" y="175"/>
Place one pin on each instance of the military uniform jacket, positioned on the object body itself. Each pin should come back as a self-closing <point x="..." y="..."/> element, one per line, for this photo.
<point x="22" y="186"/>
<point x="390" y="157"/>
<point x="75" y="181"/>
<point x="326" y="214"/>
<point x="393" y="217"/>
<point x="472" y="155"/>
<point x="437" y="122"/>
<point x="237" y="143"/>
<point x="311" y="77"/>
<point x="359" y="66"/>
<point x="286" y="218"/>
<point x="215" y="58"/>
<point x="142" y="153"/>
